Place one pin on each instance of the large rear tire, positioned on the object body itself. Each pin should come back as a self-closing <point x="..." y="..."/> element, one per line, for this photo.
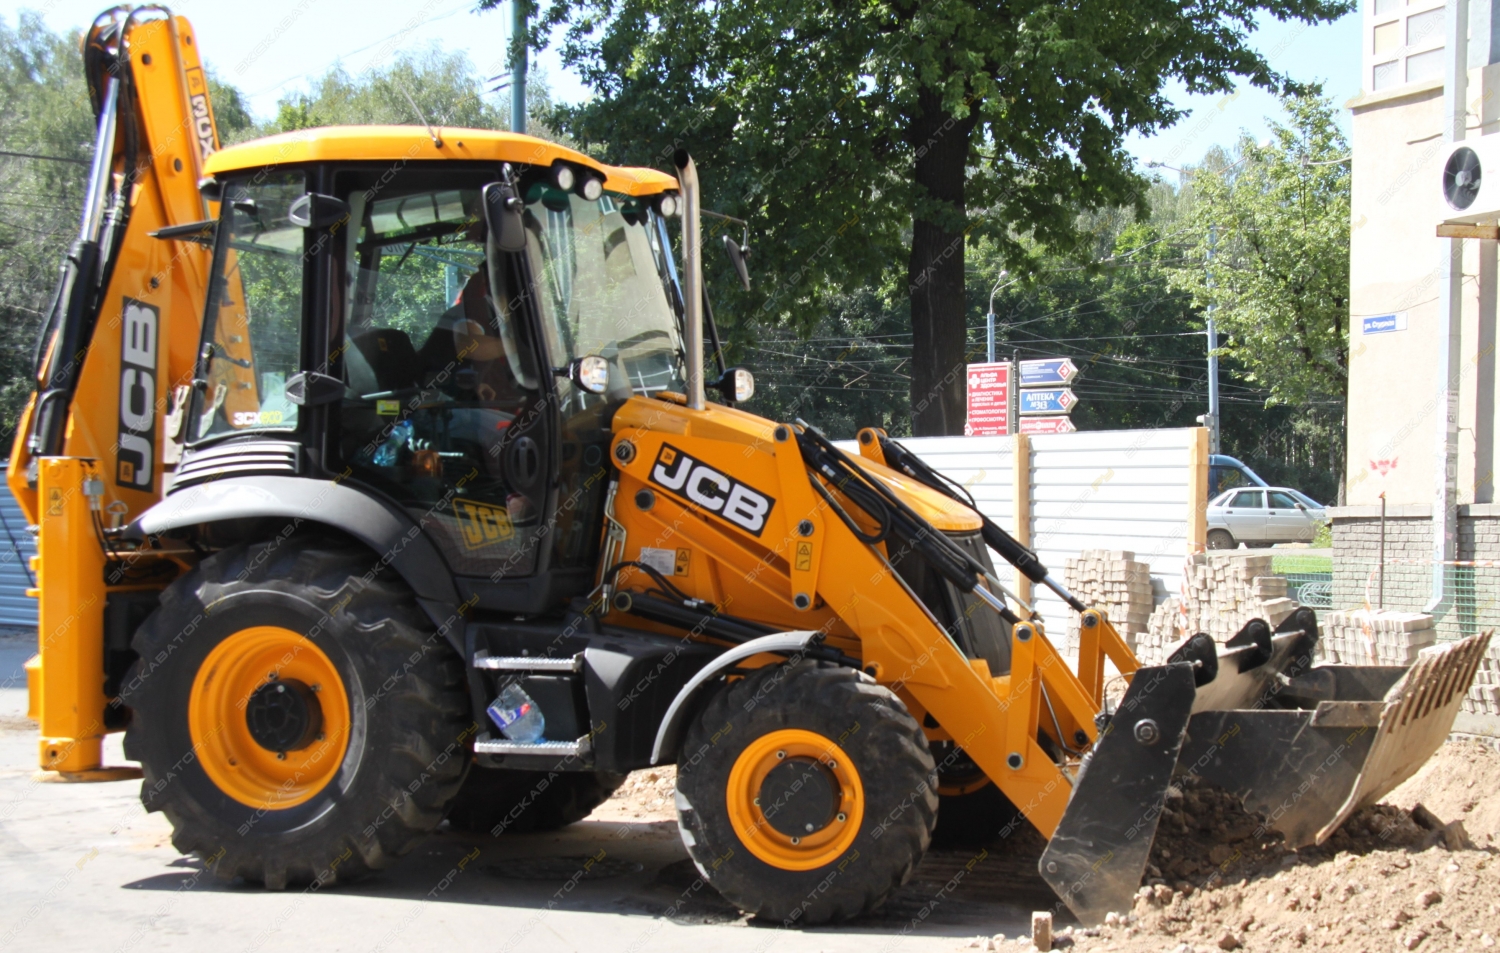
<point x="296" y="717"/>
<point x="501" y="800"/>
<point x="805" y="793"/>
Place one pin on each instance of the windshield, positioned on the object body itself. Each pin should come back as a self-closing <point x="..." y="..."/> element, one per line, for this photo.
<point x="252" y="326"/>
<point x="600" y="291"/>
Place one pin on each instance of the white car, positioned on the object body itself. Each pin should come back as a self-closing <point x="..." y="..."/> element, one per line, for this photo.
<point x="1260" y="516"/>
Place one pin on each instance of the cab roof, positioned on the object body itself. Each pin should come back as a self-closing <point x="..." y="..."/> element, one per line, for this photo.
<point x="414" y="144"/>
<point x="391" y="144"/>
<point x="637" y="180"/>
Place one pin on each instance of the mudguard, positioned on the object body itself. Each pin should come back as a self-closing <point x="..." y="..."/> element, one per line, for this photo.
<point x="389" y="533"/>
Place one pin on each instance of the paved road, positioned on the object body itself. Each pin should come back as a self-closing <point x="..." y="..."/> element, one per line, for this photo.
<point x="82" y="866"/>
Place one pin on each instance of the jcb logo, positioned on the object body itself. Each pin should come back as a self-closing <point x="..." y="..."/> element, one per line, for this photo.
<point x="137" y="395"/>
<point x="202" y="118"/>
<point x="482" y="525"/>
<point x="710" y="489"/>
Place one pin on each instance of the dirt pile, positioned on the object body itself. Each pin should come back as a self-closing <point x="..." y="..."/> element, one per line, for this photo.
<point x="1419" y="871"/>
<point x="645" y="795"/>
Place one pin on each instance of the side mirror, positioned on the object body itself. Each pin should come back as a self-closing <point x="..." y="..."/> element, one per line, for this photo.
<point x="738" y="257"/>
<point x="314" y="210"/>
<point x="736" y="385"/>
<point x="503" y="217"/>
<point x="591" y="373"/>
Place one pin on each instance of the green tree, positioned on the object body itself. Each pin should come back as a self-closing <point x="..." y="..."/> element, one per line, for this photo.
<point x="46" y="121"/>
<point x="445" y="87"/>
<point x="1277" y="225"/>
<point x="856" y="136"/>
<point x="45" y="116"/>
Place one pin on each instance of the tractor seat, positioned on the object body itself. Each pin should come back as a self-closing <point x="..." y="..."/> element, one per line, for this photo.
<point x="382" y="359"/>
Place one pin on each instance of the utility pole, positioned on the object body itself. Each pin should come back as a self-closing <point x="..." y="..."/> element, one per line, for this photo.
<point x="1449" y="317"/>
<point x="1211" y="419"/>
<point x="518" y="19"/>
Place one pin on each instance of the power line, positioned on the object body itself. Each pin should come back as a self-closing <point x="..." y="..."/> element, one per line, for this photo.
<point x="33" y="155"/>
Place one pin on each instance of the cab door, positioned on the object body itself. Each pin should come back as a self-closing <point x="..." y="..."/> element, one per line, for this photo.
<point x="1245" y="515"/>
<point x="443" y="409"/>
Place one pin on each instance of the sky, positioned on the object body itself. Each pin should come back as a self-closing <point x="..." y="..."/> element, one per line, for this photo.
<point x="270" y="48"/>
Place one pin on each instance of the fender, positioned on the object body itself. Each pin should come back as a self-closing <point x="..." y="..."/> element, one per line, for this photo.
<point x="669" y="731"/>
<point x="388" y="532"/>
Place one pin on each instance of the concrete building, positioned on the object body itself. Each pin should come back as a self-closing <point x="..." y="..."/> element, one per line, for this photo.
<point x="1399" y="328"/>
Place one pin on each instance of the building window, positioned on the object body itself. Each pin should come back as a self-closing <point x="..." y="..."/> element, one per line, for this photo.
<point x="1383" y="7"/>
<point x="1387" y="75"/>
<point x="1424" y="65"/>
<point x="1387" y="37"/>
<point x="1423" y="29"/>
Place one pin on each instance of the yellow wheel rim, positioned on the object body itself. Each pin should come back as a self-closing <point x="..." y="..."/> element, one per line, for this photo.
<point x="231" y="689"/>
<point x="811" y="849"/>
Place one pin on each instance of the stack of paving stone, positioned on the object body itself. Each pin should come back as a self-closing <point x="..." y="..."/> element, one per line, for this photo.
<point x="1114" y="580"/>
<point x="1221" y="593"/>
<point x="1375" y="637"/>
<point x="1484" y="695"/>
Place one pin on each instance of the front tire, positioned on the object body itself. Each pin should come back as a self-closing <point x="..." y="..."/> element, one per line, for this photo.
<point x="805" y="793"/>
<point x="295" y="716"/>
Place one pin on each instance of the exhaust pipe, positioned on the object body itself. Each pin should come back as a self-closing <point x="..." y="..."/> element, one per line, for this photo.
<point x="692" y="275"/>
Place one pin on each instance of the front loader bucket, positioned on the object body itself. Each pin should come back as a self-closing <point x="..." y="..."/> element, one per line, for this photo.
<point x="1304" y="746"/>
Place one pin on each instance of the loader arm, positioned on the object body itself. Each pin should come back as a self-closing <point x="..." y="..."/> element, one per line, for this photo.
<point x="117" y="345"/>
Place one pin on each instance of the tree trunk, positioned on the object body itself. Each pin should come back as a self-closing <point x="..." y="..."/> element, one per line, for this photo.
<point x="935" y="270"/>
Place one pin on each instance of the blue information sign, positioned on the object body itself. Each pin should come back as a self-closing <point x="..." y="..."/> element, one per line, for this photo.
<point x="1048" y="400"/>
<point x="1053" y="370"/>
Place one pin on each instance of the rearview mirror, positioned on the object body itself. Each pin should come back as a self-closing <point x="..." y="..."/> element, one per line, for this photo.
<point x="502" y="216"/>
<point x="738" y="257"/>
<point x="591" y="373"/>
<point x="315" y="210"/>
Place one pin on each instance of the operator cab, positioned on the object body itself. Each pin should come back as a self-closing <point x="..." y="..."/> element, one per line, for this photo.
<point x="363" y="327"/>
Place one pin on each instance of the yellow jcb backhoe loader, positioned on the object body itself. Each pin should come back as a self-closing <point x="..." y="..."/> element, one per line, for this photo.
<point x="375" y="481"/>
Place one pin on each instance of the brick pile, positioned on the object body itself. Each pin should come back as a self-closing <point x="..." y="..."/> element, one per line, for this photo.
<point x="1484" y="694"/>
<point x="1114" y="580"/>
<point x="1375" y="637"/>
<point x="1223" y="591"/>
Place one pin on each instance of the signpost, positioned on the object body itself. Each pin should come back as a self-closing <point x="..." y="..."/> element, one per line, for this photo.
<point x="1050" y="372"/>
<point x="1039" y="425"/>
<point x="1048" y="400"/>
<point x="989" y="399"/>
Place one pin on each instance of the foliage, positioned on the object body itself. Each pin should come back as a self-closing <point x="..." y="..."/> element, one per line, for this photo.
<point x="1271" y="256"/>
<point x="446" y="89"/>
<point x="232" y="116"/>
<point x="44" y="111"/>
<point x="857" y="136"/>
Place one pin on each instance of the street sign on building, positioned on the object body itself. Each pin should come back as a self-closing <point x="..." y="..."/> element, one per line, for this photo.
<point x="989" y="399"/>
<point x="1048" y="400"/>
<point x="1379" y="324"/>
<point x="1039" y="425"/>
<point x="1051" y="371"/>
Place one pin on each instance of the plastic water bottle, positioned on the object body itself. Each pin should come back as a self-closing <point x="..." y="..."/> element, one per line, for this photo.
<point x="389" y="452"/>
<point x="517" y="716"/>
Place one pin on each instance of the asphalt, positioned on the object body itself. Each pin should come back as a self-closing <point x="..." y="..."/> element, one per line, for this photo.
<point x="82" y="866"/>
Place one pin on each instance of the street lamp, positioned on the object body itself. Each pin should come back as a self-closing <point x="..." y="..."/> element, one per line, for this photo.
<point x="989" y="319"/>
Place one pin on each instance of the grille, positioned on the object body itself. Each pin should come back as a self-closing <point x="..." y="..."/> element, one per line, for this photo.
<point x="236" y="459"/>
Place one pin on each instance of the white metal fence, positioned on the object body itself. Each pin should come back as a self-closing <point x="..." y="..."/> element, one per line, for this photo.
<point x="1135" y="490"/>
